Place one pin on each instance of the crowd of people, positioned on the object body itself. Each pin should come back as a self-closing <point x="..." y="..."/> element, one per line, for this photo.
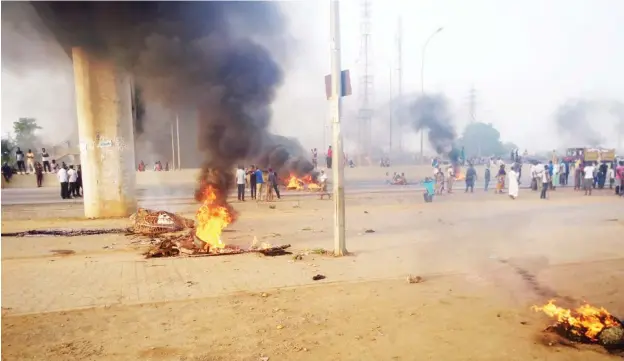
<point x="26" y="164"/>
<point x="264" y="184"/>
<point x="586" y="176"/>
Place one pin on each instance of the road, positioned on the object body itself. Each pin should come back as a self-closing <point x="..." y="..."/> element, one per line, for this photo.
<point x="183" y="193"/>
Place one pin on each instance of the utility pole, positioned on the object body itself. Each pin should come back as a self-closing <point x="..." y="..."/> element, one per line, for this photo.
<point x="340" y="248"/>
<point x="390" y="116"/>
<point x="422" y="89"/>
<point x="173" y="160"/>
<point x="472" y="103"/>
<point x="178" y="134"/>
<point x="400" y="75"/>
<point x="366" y="82"/>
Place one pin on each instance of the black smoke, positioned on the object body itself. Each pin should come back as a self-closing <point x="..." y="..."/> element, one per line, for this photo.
<point x="195" y="55"/>
<point x="431" y="114"/>
<point x="572" y="120"/>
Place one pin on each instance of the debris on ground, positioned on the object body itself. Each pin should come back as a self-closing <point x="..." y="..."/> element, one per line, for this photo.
<point x="318" y="277"/>
<point x="414" y="279"/>
<point x="369" y="231"/>
<point x="63" y="252"/>
<point x="65" y="232"/>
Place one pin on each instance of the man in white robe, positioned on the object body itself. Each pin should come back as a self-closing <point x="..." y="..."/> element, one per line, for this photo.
<point x="513" y="183"/>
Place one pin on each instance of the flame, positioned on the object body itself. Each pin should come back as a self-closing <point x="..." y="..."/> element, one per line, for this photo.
<point x="294" y="183"/>
<point x="585" y="320"/>
<point x="460" y="176"/>
<point x="212" y="218"/>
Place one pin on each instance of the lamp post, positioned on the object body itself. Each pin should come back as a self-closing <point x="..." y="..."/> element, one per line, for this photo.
<point x="422" y="88"/>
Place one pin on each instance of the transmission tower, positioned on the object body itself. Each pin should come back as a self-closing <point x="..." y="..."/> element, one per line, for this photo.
<point x="472" y="104"/>
<point x="399" y="43"/>
<point x="365" y="113"/>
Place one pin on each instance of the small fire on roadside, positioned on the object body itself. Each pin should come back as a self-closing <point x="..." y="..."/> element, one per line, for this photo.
<point x="295" y="183"/>
<point x="460" y="176"/>
<point x="586" y="323"/>
<point x="212" y="218"/>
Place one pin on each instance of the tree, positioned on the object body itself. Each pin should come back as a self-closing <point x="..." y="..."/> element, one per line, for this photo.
<point x="25" y="133"/>
<point x="480" y="139"/>
<point x="7" y="149"/>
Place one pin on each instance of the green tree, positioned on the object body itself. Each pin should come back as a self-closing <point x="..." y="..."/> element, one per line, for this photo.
<point x="25" y="130"/>
<point x="481" y="139"/>
<point x="7" y="150"/>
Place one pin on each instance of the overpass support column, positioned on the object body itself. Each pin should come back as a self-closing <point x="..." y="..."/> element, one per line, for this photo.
<point x="104" y="106"/>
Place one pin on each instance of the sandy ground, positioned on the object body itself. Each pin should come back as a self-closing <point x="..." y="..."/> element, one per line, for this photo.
<point x="471" y="305"/>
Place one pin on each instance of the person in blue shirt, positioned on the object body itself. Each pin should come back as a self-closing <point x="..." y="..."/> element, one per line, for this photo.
<point x="260" y="183"/>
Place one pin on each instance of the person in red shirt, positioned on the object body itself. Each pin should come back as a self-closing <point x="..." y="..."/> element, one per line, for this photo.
<point x="329" y="157"/>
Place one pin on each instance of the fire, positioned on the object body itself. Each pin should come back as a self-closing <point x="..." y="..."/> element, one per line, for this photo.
<point x="460" y="175"/>
<point x="585" y="320"/>
<point x="212" y="218"/>
<point x="294" y="183"/>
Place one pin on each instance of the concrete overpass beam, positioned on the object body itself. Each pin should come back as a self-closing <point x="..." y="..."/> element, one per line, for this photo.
<point x="104" y="106"/>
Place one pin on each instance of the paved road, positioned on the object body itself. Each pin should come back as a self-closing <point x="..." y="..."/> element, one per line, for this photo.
<point x="173" y="194"/>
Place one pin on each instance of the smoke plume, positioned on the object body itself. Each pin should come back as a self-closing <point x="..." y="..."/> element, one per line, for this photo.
<point x="198" y="56"/>
<point x="430" y="113"/>
<point x="572" y="121"/>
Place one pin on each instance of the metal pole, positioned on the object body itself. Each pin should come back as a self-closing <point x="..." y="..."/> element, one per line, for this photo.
<point x="400" y="78"/>
<point x="178" y="136"/>
<point x="173" y="161"/>
<point x="422" y="89"/>
<point x="340" y="248"/>
<point x="390" y="106"/>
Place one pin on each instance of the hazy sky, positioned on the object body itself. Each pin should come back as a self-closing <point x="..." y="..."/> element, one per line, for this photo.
<point x="523" y="58"/>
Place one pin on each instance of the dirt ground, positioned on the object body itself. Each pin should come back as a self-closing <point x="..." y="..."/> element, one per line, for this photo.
<point x="471" y="306"/>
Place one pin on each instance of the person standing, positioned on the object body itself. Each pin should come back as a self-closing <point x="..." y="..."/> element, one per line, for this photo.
<point x="19" y="156"/>
<point x="487" y="177"/>
<point x="45" y="158"/>
<point x="315" y="157"/>
<point x="39" y="174"/>
<point x="330" y="153"/>
<point x="619" y="177"/>
<point x="471" y="177"/>
<point x="64" y="181"/>
<point x="545" y="174"/>
<point x="79" y="181"/>
<point x="611" y="175"/>
<point x="450" y="173"/>
<point x="513" y="183"/>
<point x="588" y="179"/>
<point x="30" y="161"/>
<point x="253" y="185"/>
<point x="500" y="177"/>
<point x="275" y="181"/>
<point x="7" y="171"/>
<point x="269" y="185"/>
<point x="240" y="183"/>
<point x="72" y="177"/>
<point x="259" y="183"/>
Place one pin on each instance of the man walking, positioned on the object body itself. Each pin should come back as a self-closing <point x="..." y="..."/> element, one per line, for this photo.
<point x="545" y="175"/>
<point x="273" y="180"/>
<point x="64" y="181"/>
<point x="487" y="177"/>
<point x="240" y="183"/>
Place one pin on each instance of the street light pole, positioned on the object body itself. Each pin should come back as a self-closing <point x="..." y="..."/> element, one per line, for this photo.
<point x="422" y="89"/>
<point x="340" y="248"/>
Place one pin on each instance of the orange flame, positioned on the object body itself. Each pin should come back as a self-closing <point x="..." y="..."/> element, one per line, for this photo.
<point x="460" y="175"/>
<point x="212" y="218"/>
<point x="585" y="320"/>
<point x="294" y="183"/>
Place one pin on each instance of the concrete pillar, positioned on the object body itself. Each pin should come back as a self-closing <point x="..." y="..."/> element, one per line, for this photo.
<point x="104" y="106"/>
